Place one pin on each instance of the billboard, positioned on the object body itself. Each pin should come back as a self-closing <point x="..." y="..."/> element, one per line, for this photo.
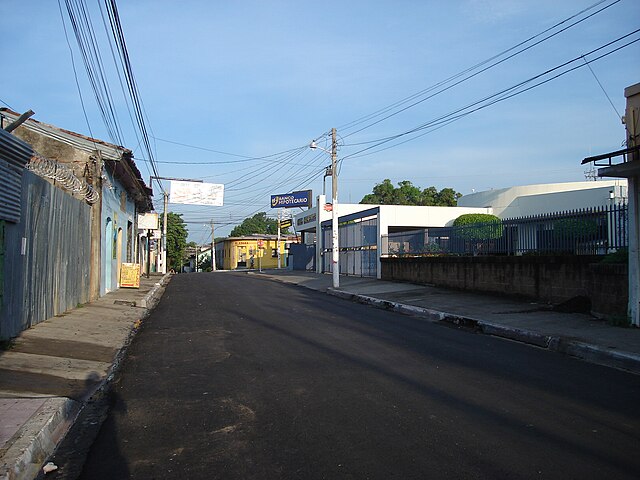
<point x="291" y="200"/>
<point x="148" y="221"/>
<point x="196" y="193"/>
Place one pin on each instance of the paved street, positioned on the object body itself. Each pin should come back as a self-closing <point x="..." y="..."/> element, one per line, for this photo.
<point x="238" y="377"/>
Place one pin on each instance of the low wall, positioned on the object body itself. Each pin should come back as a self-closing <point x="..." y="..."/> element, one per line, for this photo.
<point x="548" y="279"/>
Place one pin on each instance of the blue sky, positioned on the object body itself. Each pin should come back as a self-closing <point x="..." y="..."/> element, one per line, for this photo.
<point x="254" y="78"/>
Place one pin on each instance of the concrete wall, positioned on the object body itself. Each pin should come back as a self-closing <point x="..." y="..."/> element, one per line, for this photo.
<point x="547" y="279"/>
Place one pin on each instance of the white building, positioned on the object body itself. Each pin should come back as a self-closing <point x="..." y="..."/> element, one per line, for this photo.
<point x="528" y="200"/>
<point x="628" y="168"/>
<point x="363" y="228"/>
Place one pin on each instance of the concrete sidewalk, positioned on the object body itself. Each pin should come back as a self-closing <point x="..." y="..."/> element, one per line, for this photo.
<point x="53" y="369"/>
<point x="575" y="334"/>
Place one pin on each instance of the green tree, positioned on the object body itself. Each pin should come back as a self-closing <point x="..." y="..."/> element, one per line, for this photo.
<point x="383" y="194"/>
<point x="447" y="197"/>
<point x="408" y="194"/>
<point x="176" y="240"/>
<point x="260" y="224"/>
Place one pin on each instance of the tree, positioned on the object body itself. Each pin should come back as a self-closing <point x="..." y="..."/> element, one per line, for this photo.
<point x="176" y="240"/>
<point x="408" y="194"/>
<point x="383" y="194"/>
<point x="447" y="197"/>
<point x="260" y="224"/>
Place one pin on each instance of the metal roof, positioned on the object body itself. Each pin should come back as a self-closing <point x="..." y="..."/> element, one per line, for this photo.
<point x="81" y="142"/>
<point x="118" y="159"/>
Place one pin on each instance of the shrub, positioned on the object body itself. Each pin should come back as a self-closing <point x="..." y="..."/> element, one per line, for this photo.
<point x="575" y="227"/>
<point x="478" y="226"/>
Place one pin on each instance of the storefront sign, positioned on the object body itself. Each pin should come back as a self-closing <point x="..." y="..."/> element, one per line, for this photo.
<point x="291" y="200"/>
<point x="307" y="219"/>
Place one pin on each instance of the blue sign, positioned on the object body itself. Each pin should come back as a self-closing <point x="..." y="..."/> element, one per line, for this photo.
<point x="290" y="200"/>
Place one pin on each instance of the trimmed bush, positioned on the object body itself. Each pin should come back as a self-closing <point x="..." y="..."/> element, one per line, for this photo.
<point x="478" y="226"/>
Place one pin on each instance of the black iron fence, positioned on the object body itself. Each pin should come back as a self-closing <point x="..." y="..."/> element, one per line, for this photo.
<point x="590" y="231"/>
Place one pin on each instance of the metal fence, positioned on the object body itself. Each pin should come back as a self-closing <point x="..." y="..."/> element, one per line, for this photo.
<point x="47" y="256"/>
<point x="590" y="231"/>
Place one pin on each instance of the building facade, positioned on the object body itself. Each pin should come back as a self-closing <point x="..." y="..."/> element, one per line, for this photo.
<point x="251" y="252"/>
<point x="626" y="164"/>
<point x="79" y="202"/>
<point x="362" y="229"/>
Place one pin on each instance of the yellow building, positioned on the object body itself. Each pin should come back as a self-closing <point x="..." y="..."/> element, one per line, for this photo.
<point x="255" y="251"/>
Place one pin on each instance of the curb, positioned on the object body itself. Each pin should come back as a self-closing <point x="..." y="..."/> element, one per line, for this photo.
<point x="38" y="439"/>
<point x="150" y="299"/>
<point x="588" y="352"/>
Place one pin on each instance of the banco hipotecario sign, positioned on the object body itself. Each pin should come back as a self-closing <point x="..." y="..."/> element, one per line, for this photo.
<point x="293" y="199"/>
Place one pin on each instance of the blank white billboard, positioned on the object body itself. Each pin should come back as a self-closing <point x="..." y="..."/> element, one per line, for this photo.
<point x="148" y="221"/>
<point x="195" y="193"/>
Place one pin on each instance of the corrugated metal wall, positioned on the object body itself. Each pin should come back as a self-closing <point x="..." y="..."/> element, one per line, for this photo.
<point x="47" y="273"/>
<point x="14" y="154"/>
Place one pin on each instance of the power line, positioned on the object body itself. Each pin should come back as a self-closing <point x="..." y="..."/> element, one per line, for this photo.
<point x="87" y="44"/>
<point x="500" y="96"/>
<point x="7" y="104"/>
<point x="471" y="69"/>
<point x="75" y="72"/>
<point x="121" y="47"/>
<point x="602" y="88"/>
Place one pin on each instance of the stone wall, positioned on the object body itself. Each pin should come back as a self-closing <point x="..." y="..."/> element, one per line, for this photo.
<point x="547" y="279"/>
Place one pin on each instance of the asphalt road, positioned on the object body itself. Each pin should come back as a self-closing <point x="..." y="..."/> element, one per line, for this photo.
<point x="237" y="377"/>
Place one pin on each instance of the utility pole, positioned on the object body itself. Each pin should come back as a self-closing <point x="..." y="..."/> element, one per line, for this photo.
<point x="213" y="248"/>
<point x="335" y="249"/>
<point x="164" y="234"/>
<point x="335" y="254"/>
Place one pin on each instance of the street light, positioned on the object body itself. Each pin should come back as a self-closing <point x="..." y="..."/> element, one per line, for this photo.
<point x="335" y="252"/>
